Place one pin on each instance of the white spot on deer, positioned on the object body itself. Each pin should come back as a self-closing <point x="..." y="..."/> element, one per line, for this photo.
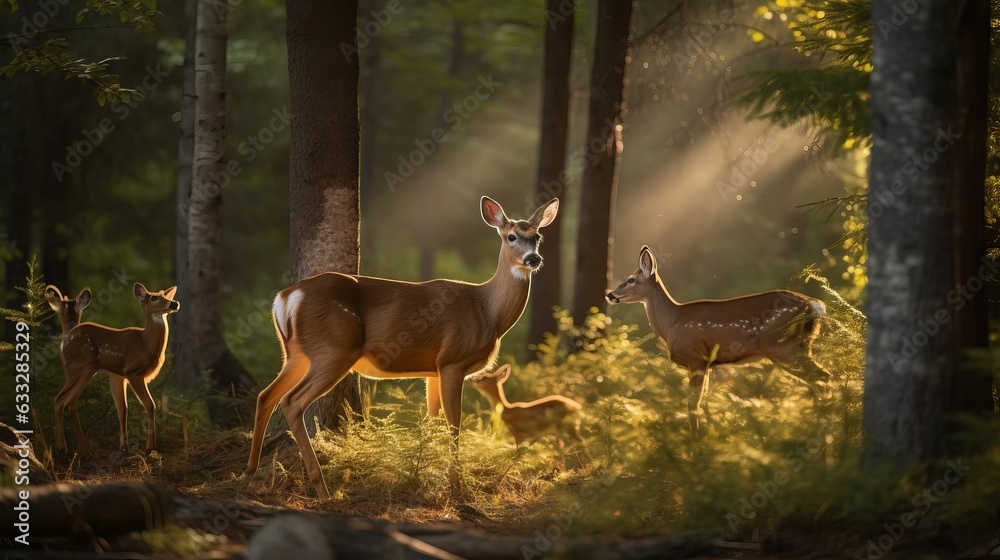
<point x="518" y="273"/>
<point x="285" y="311"/>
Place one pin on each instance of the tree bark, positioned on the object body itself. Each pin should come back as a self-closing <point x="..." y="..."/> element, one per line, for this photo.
<point x="595" y="237"/>
<point x="911" y="256"/>
<point x="547" y="288"/>
<point x="973" y="389"/>
<point x="323" y="73"/>
<point x="229" y="376"/>
<point x="181" y="336"/>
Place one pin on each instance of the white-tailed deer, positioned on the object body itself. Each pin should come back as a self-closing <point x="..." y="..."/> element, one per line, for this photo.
<point x="528" y="421"/>
<point x="68" y="309"/>
<point x="332" y="323"/>
<point x="132" y="355"/>
<point x="779" y="326"/>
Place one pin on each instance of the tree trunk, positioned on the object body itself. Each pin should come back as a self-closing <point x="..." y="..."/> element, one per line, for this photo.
<point x="595" y="237"/>
<point x="973" y="388"/>
<point x="181" y="335"/>
<point x="229" y="377"/>
<point x="911" y="245"/>
<point x="324" y="157"/>
<point x="547" y="288"/>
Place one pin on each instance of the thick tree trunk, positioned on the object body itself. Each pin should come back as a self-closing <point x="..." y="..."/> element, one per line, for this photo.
<point x="595" y="237"/>
<point x="181" y="335"/>
<point x="325" y="144"/>
<point x="973" y="389"/>
<point x="911" y="210"/>
<point x="229" y="377"/>
<point x="547" y="288"/>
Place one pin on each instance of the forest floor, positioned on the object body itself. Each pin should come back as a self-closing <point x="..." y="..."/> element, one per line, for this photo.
<point x="209" y="513"/>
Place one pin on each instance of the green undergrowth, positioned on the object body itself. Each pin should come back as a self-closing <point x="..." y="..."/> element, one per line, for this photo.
<point x="773" y="462"/>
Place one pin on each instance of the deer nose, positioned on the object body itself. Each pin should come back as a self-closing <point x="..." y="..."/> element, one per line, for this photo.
<point x="175" y="305"/>
<point x="533" y="260"/>
<point x="612" y="297"/>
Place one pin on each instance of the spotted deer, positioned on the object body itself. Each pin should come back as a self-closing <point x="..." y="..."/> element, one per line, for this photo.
<point x="332" y="323"/>
<point x="529" y="421"/>
<point x="132" y="355"/>
<point x="779" y="326"/>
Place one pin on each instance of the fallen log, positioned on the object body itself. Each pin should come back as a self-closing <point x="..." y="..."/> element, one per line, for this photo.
<point x="329" y="537"/>
<point x="78" y="510"/>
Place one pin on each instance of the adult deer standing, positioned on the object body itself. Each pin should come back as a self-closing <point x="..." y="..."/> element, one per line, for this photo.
<point x="133" y="355"/>
<point x="332" y="323"/>
<point x="69" y="310"/>
<point x="779" y="325"/>
<point x="528" y="421"/>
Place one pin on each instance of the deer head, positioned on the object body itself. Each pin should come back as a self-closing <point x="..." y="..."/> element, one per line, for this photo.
<point x="520" y="237"/>
<point x="68" y="309"/>
<point x="640" y="285"/>
<point x="156" y="303"/>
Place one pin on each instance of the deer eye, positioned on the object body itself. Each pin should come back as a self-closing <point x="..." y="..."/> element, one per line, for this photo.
<point x="631" y="280"/>
<point x="512" y="238"/>
<point x="154" y="298"/>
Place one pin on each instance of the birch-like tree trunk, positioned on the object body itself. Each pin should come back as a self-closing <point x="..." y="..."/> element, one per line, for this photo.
<point x="181" y="333"/>
<point x="211" y="177"/>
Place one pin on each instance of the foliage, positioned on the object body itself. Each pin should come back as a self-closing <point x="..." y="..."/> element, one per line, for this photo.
<point x="832" y="94"/>
<point x="56" y="54"/>
<point x="34" y="309"/>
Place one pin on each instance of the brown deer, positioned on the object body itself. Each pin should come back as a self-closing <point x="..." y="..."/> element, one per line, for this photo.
<point x="332" y="323"/>
<point x="779" y="325"/>
<point x="69" y="310"/>
<point x="132" y="355"/>
<point x="528" y="421"/>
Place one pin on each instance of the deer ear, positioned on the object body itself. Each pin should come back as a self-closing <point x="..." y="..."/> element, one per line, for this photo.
<point x="139" y="291"/>
<point x="54" y="297"/>
<point x="83" y="300"/>
<point x="492" y="213"/>
<point x="545" y="213"/>
<point x="647" y="263"/>
<point x="170" y="292"/>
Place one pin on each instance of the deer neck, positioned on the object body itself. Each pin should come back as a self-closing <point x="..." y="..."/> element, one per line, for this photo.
<point x="155" y="332"/>
<point x="661" y="309"/>
<point x="505" y="295"/>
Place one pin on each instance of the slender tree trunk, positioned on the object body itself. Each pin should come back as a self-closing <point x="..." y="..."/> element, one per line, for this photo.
<point x="181" y="335"/>
<point x="547" y="288"/>
<point x="325" y="143"/>
<point x="595" y="237"/>
<point x="229" y="376"/>
<point x="911" y="352"/>
<point x="973" y="388"/>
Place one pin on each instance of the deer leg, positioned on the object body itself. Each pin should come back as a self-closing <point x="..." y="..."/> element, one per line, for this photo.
<point x="704" y="403"/>
<point x="117" y="385"/>
<point x="141" y="389"/>
<point x="696" y="385"/>
<point x="433" y="396"/>
<point x="321" y="376"/>
<point x="451" y="380"/>
<point x="291" y="374"/>
<point x="799" y="362"/>
<point x="67" y="398"/>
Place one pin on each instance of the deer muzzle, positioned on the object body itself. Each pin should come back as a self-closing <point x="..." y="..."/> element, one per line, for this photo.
<point x="612" y="298"/>
<point x="534" y="260"/>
